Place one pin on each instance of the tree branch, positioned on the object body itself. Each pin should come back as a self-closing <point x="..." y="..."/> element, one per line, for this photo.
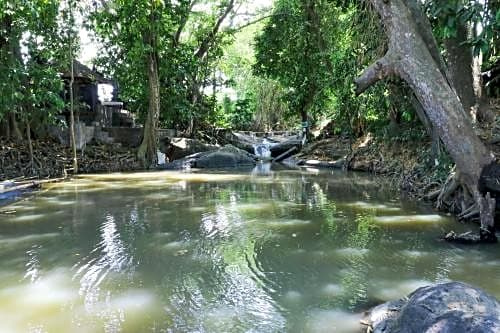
<point x="247" y="24"/>
<point x="377" y="71"/>
<point x="183" y="22"/>
<point x="205" y="44"/>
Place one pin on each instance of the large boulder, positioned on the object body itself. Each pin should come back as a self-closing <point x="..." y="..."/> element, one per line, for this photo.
<point x="452" y="307"/>
<point x="225" y="157"/>
<point x="178" y="148"/>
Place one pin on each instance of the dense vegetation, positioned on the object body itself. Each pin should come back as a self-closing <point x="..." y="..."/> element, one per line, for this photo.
<point x="194" y="65"/>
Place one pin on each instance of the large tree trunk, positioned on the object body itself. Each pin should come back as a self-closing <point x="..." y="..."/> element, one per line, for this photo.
<point x="72" y="115"/>
<point x="465" y="74"/>
<point x="10" y="55"/>
<point x="459" y="61"/>
<point x="71" y="92"/>
<point x="409" y="56"/>
<point x="30" y="147"/>
<point x="147" y="150"/>
<point x="14" y="131"/>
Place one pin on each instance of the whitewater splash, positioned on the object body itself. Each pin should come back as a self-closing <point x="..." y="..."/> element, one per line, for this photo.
<point x="263" y="150"/>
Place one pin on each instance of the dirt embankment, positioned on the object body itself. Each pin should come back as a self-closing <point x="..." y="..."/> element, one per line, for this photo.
<point x="410" y="164"/>
<point x="420" y="169"/>
<point x="53" y="160"/>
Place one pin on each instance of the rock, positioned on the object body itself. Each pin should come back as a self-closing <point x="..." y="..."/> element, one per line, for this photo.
<point x="452" y="307"/>
<point x="177" y="148"/>
<point x="225" y="157"/>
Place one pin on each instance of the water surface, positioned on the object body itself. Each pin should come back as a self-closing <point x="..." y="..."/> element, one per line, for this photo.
<point x="287" y="251"/>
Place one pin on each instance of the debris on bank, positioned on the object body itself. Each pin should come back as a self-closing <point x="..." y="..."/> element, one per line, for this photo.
<point x="54" y="160"/>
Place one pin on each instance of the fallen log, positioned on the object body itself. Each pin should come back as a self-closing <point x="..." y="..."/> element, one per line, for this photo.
<point x="284" y="155"/>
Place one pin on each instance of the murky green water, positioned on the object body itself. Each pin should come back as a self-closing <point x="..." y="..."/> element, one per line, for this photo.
<point x="176" y="252"/>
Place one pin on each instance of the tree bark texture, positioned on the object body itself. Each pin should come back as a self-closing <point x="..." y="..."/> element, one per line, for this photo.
<point x="10" y="54"/>
<point x="410" y="56"/>
<point x="72" y="113"/>
<point x="460" y="61"/>
<point x="30" y="146"/>
<point x="147" y="150"/>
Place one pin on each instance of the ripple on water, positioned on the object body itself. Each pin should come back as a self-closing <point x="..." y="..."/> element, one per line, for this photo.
<point x="414" y="254"/>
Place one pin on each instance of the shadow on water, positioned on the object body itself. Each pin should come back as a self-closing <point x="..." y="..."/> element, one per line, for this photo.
<point x="264" y="251"/>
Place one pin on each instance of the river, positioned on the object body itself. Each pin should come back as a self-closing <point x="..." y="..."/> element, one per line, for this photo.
<point x="271" y="251"/>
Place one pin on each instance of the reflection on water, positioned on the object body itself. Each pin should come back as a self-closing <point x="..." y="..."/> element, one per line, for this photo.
<point x="262" y="251"/>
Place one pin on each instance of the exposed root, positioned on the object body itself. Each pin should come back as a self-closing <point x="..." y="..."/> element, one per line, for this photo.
<point x="469" y="215"/>
<point x="433" y="195"/>
<point x="487" y="206"/>
<point x="450" y="186"/>
<point x="466" y="238"/>
<point x="469" y="212"/>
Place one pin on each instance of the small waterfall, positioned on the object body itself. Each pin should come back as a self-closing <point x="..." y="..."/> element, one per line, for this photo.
<point x="263" y="150"/>
<point x="162" y="158"/>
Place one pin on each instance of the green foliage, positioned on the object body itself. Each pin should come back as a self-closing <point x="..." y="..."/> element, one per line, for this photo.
<point x="31" y="52"/>
<point x="261" y="100"/>
<point x="121" y="27"/>
<point x="294" y="50"/>
<point x="482" y="16"/>
<point x="315" y="50"/>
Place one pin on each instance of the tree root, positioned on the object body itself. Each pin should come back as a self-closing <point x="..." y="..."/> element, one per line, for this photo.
<point x="487" y="206"/>
<point x="450" y="186"/>
<point x="466" y="238"/>
<point x="469" y="205"/>
<point x="469" y="212"/>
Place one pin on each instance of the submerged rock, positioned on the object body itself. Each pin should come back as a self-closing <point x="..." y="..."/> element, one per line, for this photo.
<point x="452" y="307"/>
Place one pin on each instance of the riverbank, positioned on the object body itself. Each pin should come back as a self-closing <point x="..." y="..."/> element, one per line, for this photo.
<point x="53" y="160"/>
<point x="421" y="170"/>
<point x="408" y="160"/>
<point x="409" y="164"/>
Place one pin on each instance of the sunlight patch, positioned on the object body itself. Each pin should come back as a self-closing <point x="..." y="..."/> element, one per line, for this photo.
<point x="288" y="223"/>
<point x="409" y="219"/>
<point x="352" y="252"/>
<point x="373" y="206"/>
<point x="327" y="321"/>
<point x="331" y="290"/>
<point x="391" y="290"/>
